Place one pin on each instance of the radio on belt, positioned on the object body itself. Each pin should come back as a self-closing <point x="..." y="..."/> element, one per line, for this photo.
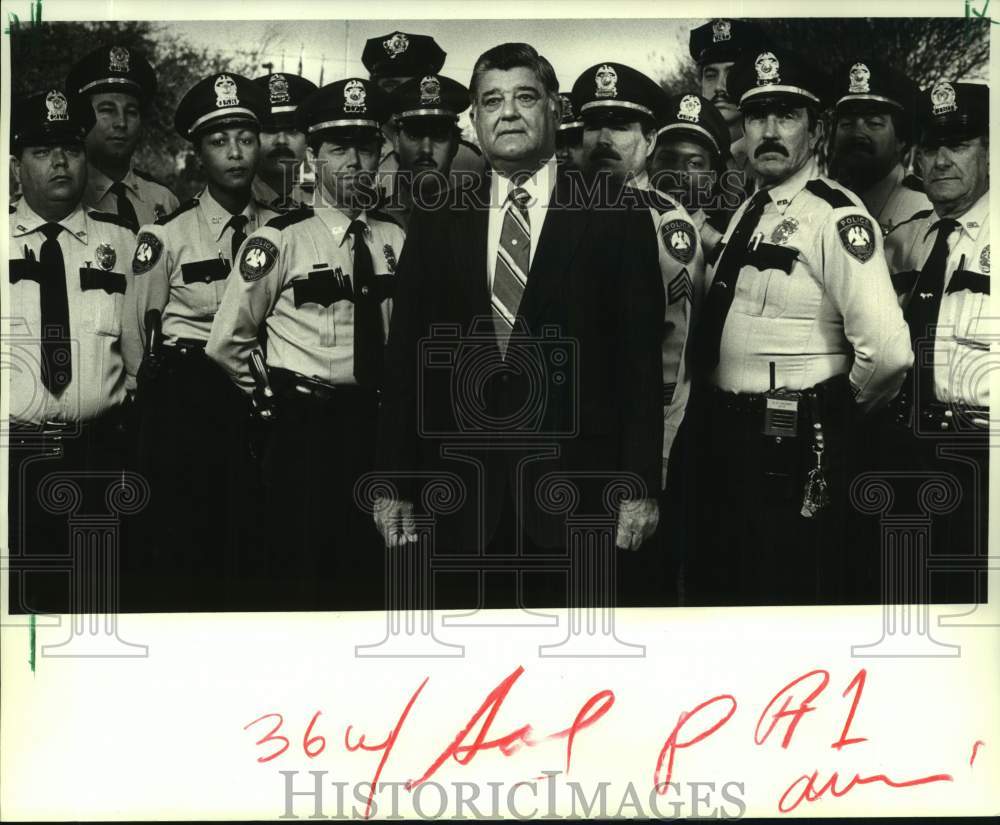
<point x="781" y="411"/>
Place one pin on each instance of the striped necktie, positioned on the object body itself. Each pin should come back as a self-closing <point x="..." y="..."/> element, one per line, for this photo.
<point x="511" y="273"/>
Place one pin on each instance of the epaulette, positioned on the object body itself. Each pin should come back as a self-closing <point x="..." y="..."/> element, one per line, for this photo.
<point x="111" y="217"/>
<point x="146" y="176"/>
<point x="470" y="145"/>
<point x="184" y="207"/>
<point x="653" y="199"/>
<point x="383" y="216"/>
<point x="834" y="197"/>
<point x="913" y="183"/>
<point x="916" y="216"/>
<point x="289" y="218"/>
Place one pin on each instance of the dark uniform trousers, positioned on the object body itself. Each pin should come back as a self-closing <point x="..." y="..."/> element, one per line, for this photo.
<point x="202" y="533"/>
<point x="750" y="543"/>
<point x="324" y="549"/>
<point x="60" y="473"/>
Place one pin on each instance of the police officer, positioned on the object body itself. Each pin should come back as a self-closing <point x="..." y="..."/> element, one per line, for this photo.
<point x="320" y="282"/>
<point x="799" y="330"/>
<point x="689" y="163"/>
<point x="426" y="138"/>
<point x="715" y="47"/>
<point x="569" y="134"/>
<point x="940" y="260"/>
<point x="280" y="183"/>
<point x="69" y="281"/>
<point x="393" y="59"/>
<point x="190" y="440"/>
<point x="621" y="108"/>
<point x="873" y="125"/>
<point x="120" y="84"/>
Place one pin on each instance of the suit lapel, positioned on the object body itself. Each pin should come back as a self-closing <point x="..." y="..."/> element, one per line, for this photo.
<point x="470" y="252"/>
<point x="561" y="233"/>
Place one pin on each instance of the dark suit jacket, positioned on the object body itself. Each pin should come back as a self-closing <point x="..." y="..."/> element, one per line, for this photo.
<point x="583" y="387"/>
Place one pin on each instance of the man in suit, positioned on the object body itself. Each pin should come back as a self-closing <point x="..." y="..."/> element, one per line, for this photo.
<point x="551" y="316"/>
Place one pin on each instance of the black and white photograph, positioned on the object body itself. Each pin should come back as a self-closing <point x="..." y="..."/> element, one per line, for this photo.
<point x="439" y="319"/>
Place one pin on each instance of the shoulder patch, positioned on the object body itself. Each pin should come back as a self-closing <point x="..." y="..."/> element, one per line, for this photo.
<point x="857" y="236"/>
<point x="184" y="207"/>
<point x="290" y="218"/>
<point x="147" y="252"/>
<point x="259" y="257"/>
<point x="834" y="197"/>
<point x="914" y="183"/>
<point x="110" y="217"/>
<point x="678" y="238"/>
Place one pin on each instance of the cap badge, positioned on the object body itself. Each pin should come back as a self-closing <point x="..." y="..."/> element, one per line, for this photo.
<point x="860" y="75"/>
<point x="354" y="96"/>
<point x="277" y="86"/>
<point x="118" y="59"/>
<point x="567" y="107"/>
<point x="722" y="30"/>
<point x="225" y="92"/>
<point x="689" y="109"/>
<point x="430" y="90"/>
<point x="606" y="82"/>
<point x="984" y="260"/>
<point x="57" y="105"/>
<point x="396" y="45"/>
<point x="106" y="257"/>
<point x="784" y="230"/>
<point x="767" y="66"/>
<point x="943" y="98"/>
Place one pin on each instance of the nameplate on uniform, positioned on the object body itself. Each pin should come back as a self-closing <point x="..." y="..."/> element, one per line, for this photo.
<point x="214" y="269"/>
<point x="972" y="281"/>
<point x="771" y="256"/>
<point x="781" y="416"/>
<point x="323" y="287"/>
<point x="91" y="278"/>
<point x="26" y="269"/>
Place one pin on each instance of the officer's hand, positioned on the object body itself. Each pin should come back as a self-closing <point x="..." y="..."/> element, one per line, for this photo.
<point x="394" y="519"/>
<point x="637" y="521"/>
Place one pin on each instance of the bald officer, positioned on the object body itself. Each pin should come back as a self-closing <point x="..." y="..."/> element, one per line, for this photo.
<point x="69" y="282"/>
<point x="800" y="332"/>
<point x="689" y="163"/>
<point x="873" y="126"/>
<point x="426" y="138"/>
<point x="120" y="85"/>
<point x="940" y="260"/>
<point x="189" y="443"/>
<point x="279" y="180"/>
<point x="319" y="283"/>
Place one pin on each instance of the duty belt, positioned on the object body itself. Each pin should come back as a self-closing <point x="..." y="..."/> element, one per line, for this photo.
<point x="939" y="416"/>
<point x="185" y="347"/>
<point x="288" y="384"/>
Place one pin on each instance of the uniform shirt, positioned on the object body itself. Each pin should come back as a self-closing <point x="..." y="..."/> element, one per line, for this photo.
<point x="149" y="199"/>
<point x="891" y="201"/>
<point x="965" y="327"/>
<point x="682" y="267"/>
<point x="99" y="244"/>
<point x="539" y="188"/>
<point x="181" y="264"/>
<point x="815" y="297"/>
<point x="275" y="285"/>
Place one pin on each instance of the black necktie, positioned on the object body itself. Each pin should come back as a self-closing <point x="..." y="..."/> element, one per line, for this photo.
<point x="727" y="273"/>
<point x="368" y="335"/>
<point x="57" y="362"/>
<point x="238" y="223"/>
<point x="125" y="209"/>
<point x="925" y="304"/>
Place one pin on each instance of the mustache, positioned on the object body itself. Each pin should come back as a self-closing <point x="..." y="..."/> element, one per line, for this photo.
<point x="281" y="152"/>
<point x="721" y="97"/>
<point x="859" y="145"/>
<point x="604" y="153"/>
<point x="770" y="146"/>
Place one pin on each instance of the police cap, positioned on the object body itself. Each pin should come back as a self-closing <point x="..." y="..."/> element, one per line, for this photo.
<point x="777" y="75"/>
<point x="721" y="41"/>
<point x="432" y="95"/>
<point x="352" y="103"/>
<point x="219" y="100"/>
<point x="113" y="69"/>
<point x="569" y="117"/>
<point x="400" y="54"/>
<point x="617" y="90"/>
<point x="693" y="117"/>
<point x="49" y="117"/>
<point x="868" y="81"/>
<point x="953" y="112"/>
<point x="283" y="93"/>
